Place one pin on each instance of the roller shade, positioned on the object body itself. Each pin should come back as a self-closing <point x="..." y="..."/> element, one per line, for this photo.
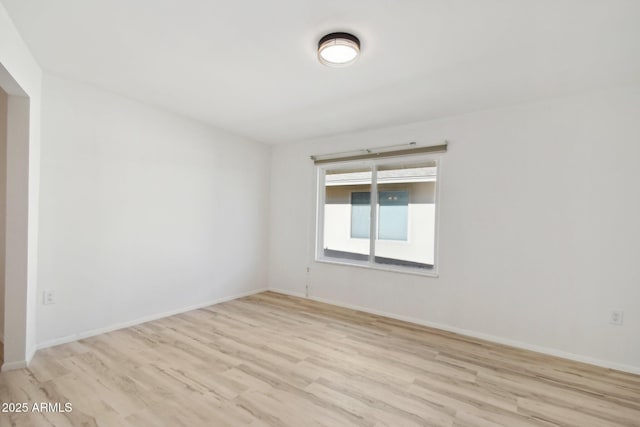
<point x="367" y="154"/>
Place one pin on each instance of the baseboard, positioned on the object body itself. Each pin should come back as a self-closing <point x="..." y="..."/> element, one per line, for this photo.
<point x="10" y="366"/>
<point x="290" y="293"/>
<point x="115" y="327"/>
<point x="30" y="355"/>
<point x="473" y="334"/>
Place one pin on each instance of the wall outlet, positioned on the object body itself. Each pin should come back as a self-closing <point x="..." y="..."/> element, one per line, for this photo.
<point x="48" y="297"/>
<point x="616" y="317"/>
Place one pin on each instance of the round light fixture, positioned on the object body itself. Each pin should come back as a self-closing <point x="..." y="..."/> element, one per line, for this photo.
<point x="338" y="49"/>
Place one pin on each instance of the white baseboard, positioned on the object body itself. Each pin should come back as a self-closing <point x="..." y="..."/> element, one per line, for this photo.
<point x="10" y="366"/>
<point x="474" y="334"/>
<point x="290" y="293"/>
<point x="30" y="354"/>
<point x="115" y="327"/>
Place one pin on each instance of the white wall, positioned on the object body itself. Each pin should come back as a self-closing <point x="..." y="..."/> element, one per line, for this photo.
<point x="4" y="99"/>
<point x="539" y="230"/>
<point x="21" y="78"/>
<point x="143" y="212"/>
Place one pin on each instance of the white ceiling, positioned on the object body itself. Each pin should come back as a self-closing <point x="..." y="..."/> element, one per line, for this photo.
<point x="250" y="66"/>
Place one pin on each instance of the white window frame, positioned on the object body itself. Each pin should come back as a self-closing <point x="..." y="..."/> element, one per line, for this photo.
<point x="373" y="164"/>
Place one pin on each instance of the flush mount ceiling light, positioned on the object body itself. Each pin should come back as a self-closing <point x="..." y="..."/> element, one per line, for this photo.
<point x="338" y="49"/>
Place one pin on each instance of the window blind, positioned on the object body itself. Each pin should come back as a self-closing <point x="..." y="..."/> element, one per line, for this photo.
<point x="367" y="154"/>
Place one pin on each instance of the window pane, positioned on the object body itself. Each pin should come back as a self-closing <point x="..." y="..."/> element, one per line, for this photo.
<point x="360" y="214"/>
<point x="406" y="214"/>
<point x="393" y="215"/>
<point x="347" y="213"/>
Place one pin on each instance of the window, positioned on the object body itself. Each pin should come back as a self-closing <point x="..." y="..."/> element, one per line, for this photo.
<point x="402" y="222"/>
<point x="393" y="214"/>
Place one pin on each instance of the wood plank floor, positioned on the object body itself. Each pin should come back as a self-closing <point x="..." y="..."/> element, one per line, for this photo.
<point x="273" y="360"/>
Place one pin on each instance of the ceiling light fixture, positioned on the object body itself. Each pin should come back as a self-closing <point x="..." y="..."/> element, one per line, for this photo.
<point x="338" y="49"/>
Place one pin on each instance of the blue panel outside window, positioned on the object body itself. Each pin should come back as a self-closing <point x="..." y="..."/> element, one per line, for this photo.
<point x="360" y="214"/>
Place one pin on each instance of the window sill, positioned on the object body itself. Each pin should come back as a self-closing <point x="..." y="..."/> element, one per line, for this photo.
<point x="379" y="267"/>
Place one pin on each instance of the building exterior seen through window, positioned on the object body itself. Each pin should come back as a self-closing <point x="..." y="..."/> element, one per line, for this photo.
<point x="403" y="230"/>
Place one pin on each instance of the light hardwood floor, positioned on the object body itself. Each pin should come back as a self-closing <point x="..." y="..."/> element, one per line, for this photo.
<point x="274" y="360"/>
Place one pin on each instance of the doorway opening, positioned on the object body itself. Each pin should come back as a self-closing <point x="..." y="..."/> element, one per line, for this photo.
<point x="17" y="255"/>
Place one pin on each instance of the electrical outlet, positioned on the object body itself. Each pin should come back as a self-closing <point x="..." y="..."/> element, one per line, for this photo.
<point x="48" y="297"/>
<point x="616" y="317"/>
